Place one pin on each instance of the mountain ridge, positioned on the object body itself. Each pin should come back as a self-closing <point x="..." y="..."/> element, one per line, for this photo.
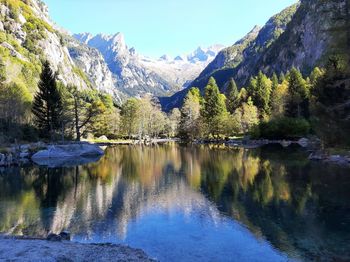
<point x="137" y="74"/>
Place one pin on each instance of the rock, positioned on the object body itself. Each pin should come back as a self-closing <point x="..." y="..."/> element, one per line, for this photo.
<point x="65" y="235"/>
<point x="303" y="142"/>
<point x="338" y="159"/>
<point x="69" y="151"/>
<point x="54" y="238"/>
<point x="285" y="143"/>
<point x="24" y="154"/>
<point x="317" y="156"/>
<point x="103" y="138"/>
<point x="335" y="158"/>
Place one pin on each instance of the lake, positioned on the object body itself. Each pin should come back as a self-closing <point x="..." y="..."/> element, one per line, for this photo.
<point x="189" y="203"/>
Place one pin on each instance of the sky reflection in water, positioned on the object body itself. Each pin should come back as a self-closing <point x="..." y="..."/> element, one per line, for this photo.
<point x="194" y="203"/>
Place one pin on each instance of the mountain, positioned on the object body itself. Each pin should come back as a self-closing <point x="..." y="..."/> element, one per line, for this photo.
<point x="28" y="37"/>
<point x="243" y="59"/>
<point x="104" y="62"/>
<point x="136" y="74"/>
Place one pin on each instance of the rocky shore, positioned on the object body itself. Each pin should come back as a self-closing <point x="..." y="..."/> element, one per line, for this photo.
<point x="49" y="154"/>
<point x="22" y="249"/>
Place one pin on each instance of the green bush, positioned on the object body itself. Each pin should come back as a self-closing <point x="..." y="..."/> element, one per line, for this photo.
<point x="282" y="128"/>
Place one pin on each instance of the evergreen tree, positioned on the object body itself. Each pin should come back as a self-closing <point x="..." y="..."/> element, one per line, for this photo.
<point x="214" y="109"/>
<point x="47" y="106"/>
<point x="315" y="75"/>
<point x="298" y="93"/>
<point x="260" y="91"/>
<point x="232" y="95"/>
<point x="281" y="77"/>
<point x="332" y="111"/>
<point x="275" y="82"/>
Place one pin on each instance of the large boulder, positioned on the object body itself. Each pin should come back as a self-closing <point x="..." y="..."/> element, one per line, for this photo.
<point x="71" y="150"/>
<point x="73" y="154"/>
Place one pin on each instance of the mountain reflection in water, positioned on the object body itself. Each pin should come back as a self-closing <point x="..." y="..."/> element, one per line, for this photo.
<point x="199" y="203"/>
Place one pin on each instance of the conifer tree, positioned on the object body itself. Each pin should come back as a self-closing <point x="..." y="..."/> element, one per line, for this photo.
<point x="297" y="102"/>
<point x="260" y="91"/>
<point x="232" y="94"/>
<point x="275" y="83"/>
<point x="214" y="109"/>
<point x="47" y="106"/>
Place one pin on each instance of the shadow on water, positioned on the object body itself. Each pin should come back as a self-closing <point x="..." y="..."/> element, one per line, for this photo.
<point x="189" y="196"/>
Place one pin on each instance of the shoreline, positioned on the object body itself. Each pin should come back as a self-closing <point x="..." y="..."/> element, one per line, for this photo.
<point x="21" y="154"/>
<point x="36" y="249"/>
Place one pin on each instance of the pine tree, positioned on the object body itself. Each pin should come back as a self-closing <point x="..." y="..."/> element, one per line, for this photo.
<point x="260" y="91"/>
<point x="281" y="77"/>
<point x="47" y="106"/>
<point x="232" y="94"/>
<point x="214" y="109"/>
<point x="275" y="83"/>
<point x="298" y="93"/>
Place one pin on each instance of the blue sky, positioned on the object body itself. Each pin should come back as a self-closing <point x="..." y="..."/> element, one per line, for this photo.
<point x="157" y="27"/>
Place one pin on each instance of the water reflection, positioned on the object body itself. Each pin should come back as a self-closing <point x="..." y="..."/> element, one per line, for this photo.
<point x="141" y="195"/>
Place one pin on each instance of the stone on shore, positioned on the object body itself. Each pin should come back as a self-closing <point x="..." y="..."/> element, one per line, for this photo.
<point x="69" y="151"/>
<point x="68" y="155"/>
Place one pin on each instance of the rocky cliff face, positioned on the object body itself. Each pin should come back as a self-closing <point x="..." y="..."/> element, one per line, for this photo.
<point x="27" y="30"/>
<point x="246" y="51"/>
<point x="92" y="63"/>
<point x="136" y="74"/>
<point x="28" y="36"/>
<point x="301" y="36"/>
<point x="103" y="62"/>
<point x="305" y="42"/>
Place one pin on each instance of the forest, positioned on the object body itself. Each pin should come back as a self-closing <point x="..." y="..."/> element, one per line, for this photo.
<point x="285" y="106"/>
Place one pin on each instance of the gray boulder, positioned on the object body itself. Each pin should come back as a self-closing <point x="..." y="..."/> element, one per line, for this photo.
<point x="68" y="155"/>
<point x="303" y="142"/>
<point x="72" y="150"/>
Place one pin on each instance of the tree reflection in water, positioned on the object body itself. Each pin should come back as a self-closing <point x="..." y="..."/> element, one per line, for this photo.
<point x="301" y="208"/>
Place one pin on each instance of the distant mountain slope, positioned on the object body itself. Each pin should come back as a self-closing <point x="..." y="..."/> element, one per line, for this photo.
<point x="304" y="44"/>
<point x="299" y="36"/>
<point x="28" y="37"/>
<point x="136" y="74"/>
<point x="248" y="49"/>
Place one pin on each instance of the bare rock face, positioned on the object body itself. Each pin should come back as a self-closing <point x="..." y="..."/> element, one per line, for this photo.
<point x="136" y="74"/>
<point x="85" y="68"/>
<point x="92" y="63"/>
<point x="300" y="36"/>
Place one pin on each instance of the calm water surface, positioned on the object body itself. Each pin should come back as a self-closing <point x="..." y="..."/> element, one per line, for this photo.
<point x="189" y="203"/>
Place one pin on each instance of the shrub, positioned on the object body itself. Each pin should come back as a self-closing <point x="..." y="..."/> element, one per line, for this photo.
<point x="282" y="128"/>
